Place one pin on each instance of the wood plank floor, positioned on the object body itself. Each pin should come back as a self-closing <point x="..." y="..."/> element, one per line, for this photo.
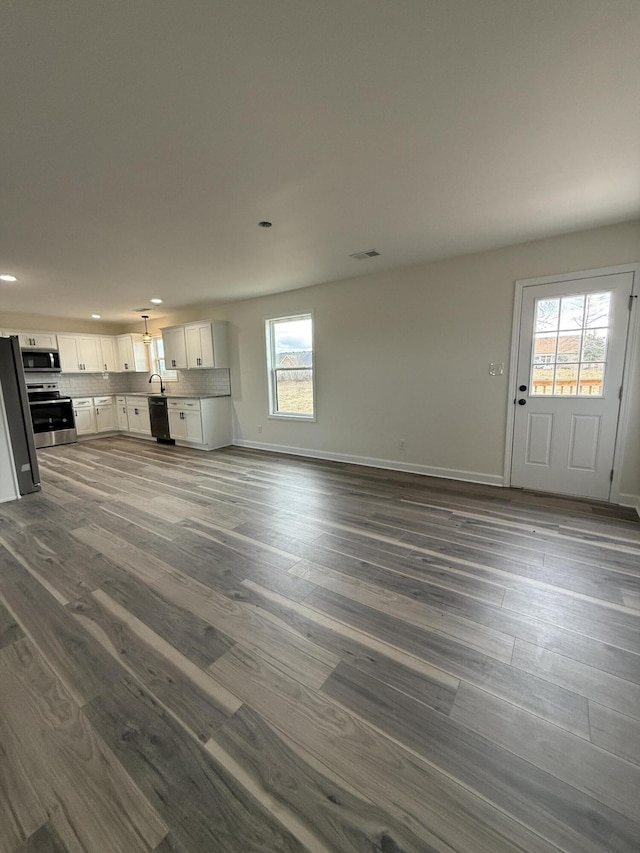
<point x="237" y="651"/>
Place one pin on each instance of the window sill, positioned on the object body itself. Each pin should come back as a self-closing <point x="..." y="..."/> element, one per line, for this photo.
<point x="309" y="419"/>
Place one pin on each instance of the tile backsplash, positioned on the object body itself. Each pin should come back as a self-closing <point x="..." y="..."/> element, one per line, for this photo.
<point x="189" y="382"/>
<point x="97" y="384"/>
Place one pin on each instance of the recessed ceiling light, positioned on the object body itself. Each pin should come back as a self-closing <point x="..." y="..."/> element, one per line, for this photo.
<point x="7" y="277"/>
<point x="96" y="316"/>
<point x="265" y="224"/>
<point x="156" y="301"/>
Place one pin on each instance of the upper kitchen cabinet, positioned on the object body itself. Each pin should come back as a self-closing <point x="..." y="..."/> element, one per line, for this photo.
<point x="80" y="353"/>
<point x="132" y="354"/>
<point x="36" y="340"/>
<point x="199" y="340"/>
<point x="175" y="347"/>
<point x="196" y="345"/>
<point x="108" y="355"/>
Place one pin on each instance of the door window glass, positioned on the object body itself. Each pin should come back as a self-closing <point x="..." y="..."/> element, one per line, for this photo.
<point x="570" y="345"/>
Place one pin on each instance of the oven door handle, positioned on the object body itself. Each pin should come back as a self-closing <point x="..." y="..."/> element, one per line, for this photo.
<point x="48" y="402"/>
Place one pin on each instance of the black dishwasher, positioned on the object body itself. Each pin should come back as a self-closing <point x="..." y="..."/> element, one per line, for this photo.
<point x="159" y="419"/>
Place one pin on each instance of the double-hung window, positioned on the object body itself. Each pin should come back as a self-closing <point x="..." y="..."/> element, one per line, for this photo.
<point x="290" y="367"/>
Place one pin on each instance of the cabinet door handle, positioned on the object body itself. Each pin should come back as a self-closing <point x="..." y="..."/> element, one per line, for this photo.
<point x="97" y="411"/>
<point x="105" y="368"/>
<point x="126" y="365"/>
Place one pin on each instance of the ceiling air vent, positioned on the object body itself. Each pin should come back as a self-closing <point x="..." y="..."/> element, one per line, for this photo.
<point x="361" y="256"/>
<point x="140" y="310"/>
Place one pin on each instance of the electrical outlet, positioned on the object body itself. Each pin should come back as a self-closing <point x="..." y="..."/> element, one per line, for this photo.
<point x="401" y="444"/>
<point x="259" y="429"/>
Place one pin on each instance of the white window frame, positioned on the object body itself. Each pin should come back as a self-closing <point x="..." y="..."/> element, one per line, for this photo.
<point x="269" y="325"/>
<point x="167" y="375"/>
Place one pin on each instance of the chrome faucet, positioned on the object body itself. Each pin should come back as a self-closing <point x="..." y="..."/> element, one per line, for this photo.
<point x="162" y="388"/>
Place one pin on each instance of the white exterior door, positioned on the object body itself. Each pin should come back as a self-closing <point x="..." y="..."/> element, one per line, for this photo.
<point x="569" y="378"/>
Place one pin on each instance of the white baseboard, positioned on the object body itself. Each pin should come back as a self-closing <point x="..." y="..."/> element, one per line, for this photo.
<point x="372" y="462"/>
<point x="630" y="500"/>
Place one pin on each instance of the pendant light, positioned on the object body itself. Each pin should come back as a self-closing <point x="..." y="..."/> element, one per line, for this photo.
<point x="146" y="337"/>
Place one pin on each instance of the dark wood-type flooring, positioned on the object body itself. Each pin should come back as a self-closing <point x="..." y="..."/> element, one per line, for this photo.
<point x="238" y="651"/>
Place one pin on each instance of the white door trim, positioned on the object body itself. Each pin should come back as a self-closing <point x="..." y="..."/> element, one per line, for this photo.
<point x="629" y="364"/>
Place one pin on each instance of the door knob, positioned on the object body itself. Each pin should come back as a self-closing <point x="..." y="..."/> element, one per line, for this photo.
<point x="522" y="402"/>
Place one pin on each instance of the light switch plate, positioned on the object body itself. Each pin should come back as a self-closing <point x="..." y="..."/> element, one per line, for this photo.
<point x="496" y="368"/>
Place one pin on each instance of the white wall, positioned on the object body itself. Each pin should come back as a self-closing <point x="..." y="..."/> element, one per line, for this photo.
<point x="405" y="355"/>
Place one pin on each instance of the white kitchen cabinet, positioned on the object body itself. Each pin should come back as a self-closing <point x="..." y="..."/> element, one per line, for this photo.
<point x="199" y="340"/>
<point x="108" y="355"/>
<point x="89" y="351"/>
<point x="85" y="415"/>
<point x="36" y="340"/>
<point x="69" y="354"/>
<point x="121" y="414"/>
<point x="80" y="353"/>
<point x="132" y="354"/>
<point x="105" y="414"/>
<point x="196" y="345"/>
<point x="203" y="423"/>
<point x="138" y="415"/>
<point x="175" y="347"/>
<point x="185" y="420"/>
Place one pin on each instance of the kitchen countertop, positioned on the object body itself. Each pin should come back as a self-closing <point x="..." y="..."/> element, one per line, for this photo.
<point x="169" y="396"/>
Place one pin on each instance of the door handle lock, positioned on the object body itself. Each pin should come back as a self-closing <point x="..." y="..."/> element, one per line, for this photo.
<point x="522" y="388"/>
<point x="522" y="402"/>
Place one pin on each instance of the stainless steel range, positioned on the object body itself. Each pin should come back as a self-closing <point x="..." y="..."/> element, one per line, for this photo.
<point x="51" y="415"/>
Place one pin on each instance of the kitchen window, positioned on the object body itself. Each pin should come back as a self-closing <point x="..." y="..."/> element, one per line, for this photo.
<point x="291" y="381"/>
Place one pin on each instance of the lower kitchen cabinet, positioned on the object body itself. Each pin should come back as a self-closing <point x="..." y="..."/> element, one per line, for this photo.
<point x="121" y="414"/>
<point x="138" y="415"/>
<point x="204" y="423"/>
<point x="94" y="415"/>
<point x="200" y="423"/>
<point x="185" y="425"/>
<point x="105" y="414"/>
<point x="85" y="415"/>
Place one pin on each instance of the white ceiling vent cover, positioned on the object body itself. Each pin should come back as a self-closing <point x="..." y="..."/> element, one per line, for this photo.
<point x="361" y="256"/>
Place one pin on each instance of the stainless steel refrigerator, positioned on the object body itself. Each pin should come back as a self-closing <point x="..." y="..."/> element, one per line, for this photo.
<point x="16" y="403"/>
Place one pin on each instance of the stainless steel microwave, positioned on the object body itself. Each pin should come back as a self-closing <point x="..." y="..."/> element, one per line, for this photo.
<point x="40" y="361"/>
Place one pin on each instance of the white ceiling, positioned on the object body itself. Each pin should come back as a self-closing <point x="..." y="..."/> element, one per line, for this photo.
<point x="142" y="140"/>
